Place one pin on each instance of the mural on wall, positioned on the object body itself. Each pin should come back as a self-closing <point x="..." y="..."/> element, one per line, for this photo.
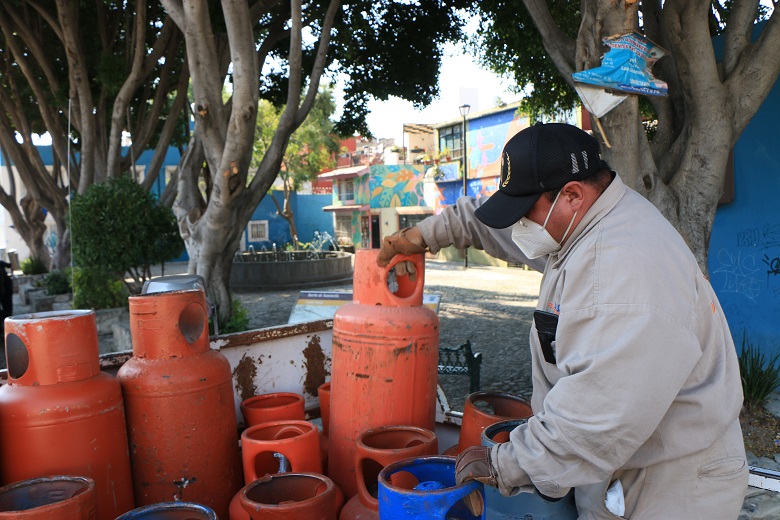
<point x="445" y="172"/>
<point x="448" y="192"/>
<point x="391" y="186"/>
<point x="485" y="139"/>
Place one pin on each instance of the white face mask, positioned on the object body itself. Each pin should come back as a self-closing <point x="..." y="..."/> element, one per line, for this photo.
<point x="533" y="239"/>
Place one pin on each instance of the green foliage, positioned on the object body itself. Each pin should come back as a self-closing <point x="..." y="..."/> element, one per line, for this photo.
<point x="239" y="319"/>
<point x="95" y="288"/>
<point x="512" y="47"/>
<point x="118" y="227"/>
<point x="311" y="146"/>
<point x="33" y="265"/>
<point x="58" y="282"/>
<point x="760" y="376"/>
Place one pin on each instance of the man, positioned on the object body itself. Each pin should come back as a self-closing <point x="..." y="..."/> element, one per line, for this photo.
<point x="636" y="386"/>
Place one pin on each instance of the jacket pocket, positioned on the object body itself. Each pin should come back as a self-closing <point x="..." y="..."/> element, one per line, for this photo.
<point x="723" y="469"/>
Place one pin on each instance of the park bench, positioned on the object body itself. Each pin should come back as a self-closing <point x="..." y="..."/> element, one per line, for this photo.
<point x="461" y="360"/>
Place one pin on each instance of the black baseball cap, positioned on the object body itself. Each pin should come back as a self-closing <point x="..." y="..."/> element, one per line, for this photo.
<point x="541" y="158"/>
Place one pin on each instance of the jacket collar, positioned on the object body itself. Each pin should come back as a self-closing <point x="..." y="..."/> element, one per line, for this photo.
<point x="595" y="213"/>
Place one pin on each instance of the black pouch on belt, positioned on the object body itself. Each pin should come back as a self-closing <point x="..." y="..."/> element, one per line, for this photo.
<point x="546" y="324"/>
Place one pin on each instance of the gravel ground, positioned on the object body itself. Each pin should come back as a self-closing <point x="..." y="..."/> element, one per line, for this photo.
<point x="490" y="306"/>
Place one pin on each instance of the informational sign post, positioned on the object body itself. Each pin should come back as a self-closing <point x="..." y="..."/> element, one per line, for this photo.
<point x="322" y="305"/>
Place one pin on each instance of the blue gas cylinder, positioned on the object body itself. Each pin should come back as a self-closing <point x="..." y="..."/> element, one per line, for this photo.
<point x="424" y="489"/>
<point x="523" y="506"/>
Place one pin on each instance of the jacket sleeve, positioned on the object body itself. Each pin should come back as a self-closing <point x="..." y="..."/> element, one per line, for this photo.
<point x="457" y="226"/>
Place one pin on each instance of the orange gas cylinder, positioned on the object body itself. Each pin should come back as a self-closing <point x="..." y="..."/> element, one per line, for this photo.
<point x="181" y="417"/>
<point x="59" y="414"/>
<point x="384" y="360"/>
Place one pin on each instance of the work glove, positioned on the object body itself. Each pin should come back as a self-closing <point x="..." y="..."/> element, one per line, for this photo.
<point x="407" y="241"/>
<point x="474" y="464"/>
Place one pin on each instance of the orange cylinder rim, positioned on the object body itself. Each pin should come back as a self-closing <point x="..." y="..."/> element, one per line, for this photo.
<point x="82" y="488"/>
<point x="475" y="420"/>
<point x="384" y="437"/>
<point x="277" y="431"/>
<point x="273" y="401"/>
<point x="505" y="406"/>
<point x="289" y="494"/>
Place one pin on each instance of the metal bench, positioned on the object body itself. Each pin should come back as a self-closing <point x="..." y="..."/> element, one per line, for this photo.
<point x="461" y="361"/>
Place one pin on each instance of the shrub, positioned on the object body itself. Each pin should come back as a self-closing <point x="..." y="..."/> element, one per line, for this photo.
<point x="760" y="376"/>
<point x="94" y="288"/>
<point x="33" y="265"/>
<point x="239" y="320"/>
<point x="119" y="228"/>
<point x="58" y="282"/>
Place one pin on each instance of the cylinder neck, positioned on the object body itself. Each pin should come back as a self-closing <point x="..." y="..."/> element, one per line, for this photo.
<point x="374" y="285"/>
<point x="48" y="348"/>
<point x="169" y="324"/>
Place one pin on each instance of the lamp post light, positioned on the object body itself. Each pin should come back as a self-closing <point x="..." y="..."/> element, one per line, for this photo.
<point x="464" y="111"/>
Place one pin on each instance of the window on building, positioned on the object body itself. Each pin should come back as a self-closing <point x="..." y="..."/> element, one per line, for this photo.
<point x="258" y="230"/>
<point x="450" y="139"/>
<point x="344" y="227"/>
<point x="405" y="221"/>
<point x="346" y="190"/>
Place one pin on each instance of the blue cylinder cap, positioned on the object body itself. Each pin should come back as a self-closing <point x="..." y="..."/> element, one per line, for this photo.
<point x="429" y="485"/>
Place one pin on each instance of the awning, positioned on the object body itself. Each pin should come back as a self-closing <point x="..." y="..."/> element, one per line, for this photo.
<point x="346" y="207"/>
<point x="352" y="171"/>
<point x="414" y="210"/>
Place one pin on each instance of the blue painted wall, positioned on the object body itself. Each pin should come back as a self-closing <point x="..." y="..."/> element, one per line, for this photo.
<point x="309" y="217"/>
<point x="744" y="254"/>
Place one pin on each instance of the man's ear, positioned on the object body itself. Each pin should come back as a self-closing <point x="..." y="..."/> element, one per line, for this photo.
<point x="574" y="194"/>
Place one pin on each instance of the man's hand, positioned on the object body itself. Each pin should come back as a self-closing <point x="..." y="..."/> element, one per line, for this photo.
<point x="474" y="464"/>
<point x="407" y="241"/>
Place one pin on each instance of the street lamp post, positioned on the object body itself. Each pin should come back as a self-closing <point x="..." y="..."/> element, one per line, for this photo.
<point x="464" y="111"/>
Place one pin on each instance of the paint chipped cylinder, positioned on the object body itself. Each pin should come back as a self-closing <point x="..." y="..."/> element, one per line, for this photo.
<point x="48" y="498"/>
<point x="384" y="360"/>
<point x="59" y="414"/>
<point x="178" y="394"/>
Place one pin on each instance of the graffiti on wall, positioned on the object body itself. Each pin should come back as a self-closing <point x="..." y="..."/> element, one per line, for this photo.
<point x="753" y="266"/>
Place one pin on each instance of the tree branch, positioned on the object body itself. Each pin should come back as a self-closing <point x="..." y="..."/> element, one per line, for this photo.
<point x="737" y="35"/>
<point x="759" y="61"/>
<point x="122" y="100"/>
<point x="560" y="48"/>
<point x="319" y="63"/>
<point x="153" y="170"/>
